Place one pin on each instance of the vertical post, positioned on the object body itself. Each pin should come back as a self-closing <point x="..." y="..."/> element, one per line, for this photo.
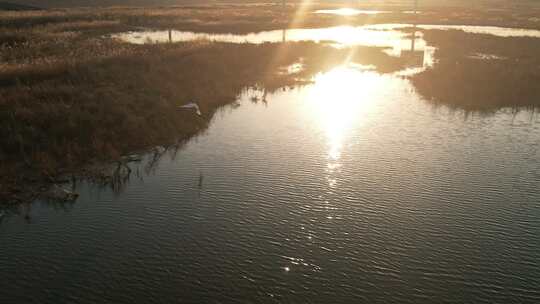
<point x="283" y="11"/>
<point x="413" y="39"/>
<point x="170" y="36"/>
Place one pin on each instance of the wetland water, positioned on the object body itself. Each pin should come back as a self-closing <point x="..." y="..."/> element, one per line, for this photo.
<point x="383" y="35"/>
<point x="349" y="12"/>
<point x="354" y="12"/>
<point x="349" y="189"/>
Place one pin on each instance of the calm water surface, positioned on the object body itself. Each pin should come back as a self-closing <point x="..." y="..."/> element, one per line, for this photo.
<point x="381" y="35"/>
<point x="349" y="12"/>
<point x="349" y="190"/>
<point x="346" y="11"/>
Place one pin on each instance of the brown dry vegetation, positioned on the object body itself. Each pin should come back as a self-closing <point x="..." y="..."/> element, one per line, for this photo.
<point x="252" y="18"/>
<point x="509" y="77"/>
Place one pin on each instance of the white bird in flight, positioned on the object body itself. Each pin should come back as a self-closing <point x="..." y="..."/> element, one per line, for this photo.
<point x="193" y="106"/>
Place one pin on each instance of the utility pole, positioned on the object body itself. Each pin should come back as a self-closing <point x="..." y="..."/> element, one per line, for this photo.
<point x="413" y="40"/>
<point x="283" y="12"/>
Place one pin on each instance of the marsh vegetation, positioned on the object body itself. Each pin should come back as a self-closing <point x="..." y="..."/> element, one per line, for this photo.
<point x="482" y="72"/>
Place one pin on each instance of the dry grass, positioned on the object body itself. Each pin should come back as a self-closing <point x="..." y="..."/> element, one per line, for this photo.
<point x="251" y="18"/>
<point x="463" y="79"/>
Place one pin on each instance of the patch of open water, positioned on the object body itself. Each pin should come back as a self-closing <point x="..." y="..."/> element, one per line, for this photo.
<point x="348" y="189"/>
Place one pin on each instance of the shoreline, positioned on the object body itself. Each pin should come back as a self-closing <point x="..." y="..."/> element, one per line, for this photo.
<point x="69" y="97"/>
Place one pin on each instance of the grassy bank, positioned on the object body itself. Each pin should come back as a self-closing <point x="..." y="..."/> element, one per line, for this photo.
<point x="482" y="72"/>
<point x="58" y="115"/>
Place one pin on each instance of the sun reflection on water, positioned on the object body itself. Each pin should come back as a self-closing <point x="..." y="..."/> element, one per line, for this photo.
<point x="338" y="105"/>
<point x="340" y="99"/>
<point x="349" y="12"/>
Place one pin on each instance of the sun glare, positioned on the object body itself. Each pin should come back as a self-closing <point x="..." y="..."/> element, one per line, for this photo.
<point x="340" y="98"/>
<point x="348" y="12"/>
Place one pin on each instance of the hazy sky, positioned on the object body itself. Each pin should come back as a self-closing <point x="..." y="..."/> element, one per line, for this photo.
<point x="71" y="3"/>
<point x="67" y="3"/>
